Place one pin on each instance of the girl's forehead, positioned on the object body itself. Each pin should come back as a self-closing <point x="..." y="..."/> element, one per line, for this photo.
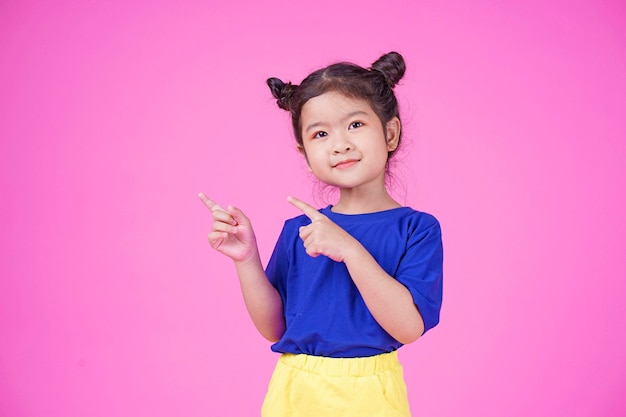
<point x="332" y="104"/>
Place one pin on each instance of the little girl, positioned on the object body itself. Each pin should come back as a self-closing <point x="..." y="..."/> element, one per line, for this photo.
<point x="349" y="284"/>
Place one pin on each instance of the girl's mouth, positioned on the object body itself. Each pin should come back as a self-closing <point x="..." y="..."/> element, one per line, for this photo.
<point x="346" y="164"/>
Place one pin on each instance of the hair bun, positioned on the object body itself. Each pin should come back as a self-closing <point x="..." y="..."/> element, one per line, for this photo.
<point x="392" y="66"/>
<point x="282" y="92"/>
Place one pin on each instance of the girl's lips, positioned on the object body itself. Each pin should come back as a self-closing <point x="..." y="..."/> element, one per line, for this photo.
<point x="346" y="164"/>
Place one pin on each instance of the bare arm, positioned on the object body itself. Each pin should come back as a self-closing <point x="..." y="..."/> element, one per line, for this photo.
<point x="388" y="300"/>
<point x="232" y="235"/>
<point x="262" y="300"/>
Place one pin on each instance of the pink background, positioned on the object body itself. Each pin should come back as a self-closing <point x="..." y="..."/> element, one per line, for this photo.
<point x="114" y="115"/>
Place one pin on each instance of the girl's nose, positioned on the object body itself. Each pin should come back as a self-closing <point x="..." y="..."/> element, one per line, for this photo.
<point x="342" y="145"/>
<point x="343" y="149"/>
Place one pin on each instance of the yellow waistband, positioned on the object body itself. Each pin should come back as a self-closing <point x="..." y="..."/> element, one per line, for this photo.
<point x="342" y="366"/>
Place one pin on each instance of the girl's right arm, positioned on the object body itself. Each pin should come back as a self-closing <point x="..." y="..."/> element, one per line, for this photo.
<point x="232" y="235"/>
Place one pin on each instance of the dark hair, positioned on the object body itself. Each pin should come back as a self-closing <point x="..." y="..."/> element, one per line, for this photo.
<point x="374" y="85"/>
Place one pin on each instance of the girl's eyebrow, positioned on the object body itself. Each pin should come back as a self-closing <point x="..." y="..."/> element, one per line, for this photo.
<point x="343" y="119"/>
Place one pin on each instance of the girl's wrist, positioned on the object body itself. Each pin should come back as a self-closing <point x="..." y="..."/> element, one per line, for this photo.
<point x="247" y="261"/>
<point x="353" y="252"/>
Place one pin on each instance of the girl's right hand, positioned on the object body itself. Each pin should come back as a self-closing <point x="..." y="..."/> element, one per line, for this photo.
<point x="232" y="232"/>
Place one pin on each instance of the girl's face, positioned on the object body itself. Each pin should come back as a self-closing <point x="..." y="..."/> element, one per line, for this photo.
<point x="344" y="141"/>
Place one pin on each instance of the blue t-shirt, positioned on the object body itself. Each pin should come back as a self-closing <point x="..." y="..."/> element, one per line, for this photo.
<point x="324" y="312"/>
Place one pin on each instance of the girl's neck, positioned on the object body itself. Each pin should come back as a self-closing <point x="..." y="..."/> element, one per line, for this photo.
<point x="351" y="202"/>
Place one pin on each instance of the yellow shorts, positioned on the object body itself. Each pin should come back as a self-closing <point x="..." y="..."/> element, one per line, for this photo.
<point x="315" y="386"/>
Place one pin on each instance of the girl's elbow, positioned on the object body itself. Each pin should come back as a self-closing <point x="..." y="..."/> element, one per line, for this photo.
<point x="410" y="337"/>
<point x="411" y="333"/>
<point x="273" y="335"/>
<point x="271" y="338"/>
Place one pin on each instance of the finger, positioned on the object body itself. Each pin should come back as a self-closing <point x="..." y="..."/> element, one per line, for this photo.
<point x="224" y="227"/>
<point x="304" y="232"/>
<point x="238" y="215"/>
<point x="312" y="252"/>
<point x="212" y="205"/>
<point x="307" y="209"/>
<point x="222" y="216"/>
<point x="216" y="239"/>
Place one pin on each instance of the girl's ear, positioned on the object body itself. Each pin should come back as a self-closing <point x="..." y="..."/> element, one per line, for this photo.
<point x="300" y="149"/>
<point x="393" y="128"/>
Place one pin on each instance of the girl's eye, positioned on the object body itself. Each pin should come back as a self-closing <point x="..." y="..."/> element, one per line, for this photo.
<point x="320" y="134"/>
<point x="354" y="125"/>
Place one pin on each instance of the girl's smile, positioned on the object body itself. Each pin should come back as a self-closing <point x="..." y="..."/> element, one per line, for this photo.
<point x="346" y="163"/>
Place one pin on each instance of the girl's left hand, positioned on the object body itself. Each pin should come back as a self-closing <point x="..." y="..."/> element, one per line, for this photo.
<point x="323" y="236"/>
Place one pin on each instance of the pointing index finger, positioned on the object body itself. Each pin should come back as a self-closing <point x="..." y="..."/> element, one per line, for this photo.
<point x="307" y="209"/>
<point x="212" y="205"/>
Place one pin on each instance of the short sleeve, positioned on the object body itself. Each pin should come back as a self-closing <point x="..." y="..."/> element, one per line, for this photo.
<point x="421" y="268"/>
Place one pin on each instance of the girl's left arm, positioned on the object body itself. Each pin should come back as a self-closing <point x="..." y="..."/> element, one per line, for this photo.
<point x="389" y="301"/>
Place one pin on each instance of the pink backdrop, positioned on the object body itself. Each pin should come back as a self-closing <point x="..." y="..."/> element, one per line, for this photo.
<point x="114" y="115"/>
